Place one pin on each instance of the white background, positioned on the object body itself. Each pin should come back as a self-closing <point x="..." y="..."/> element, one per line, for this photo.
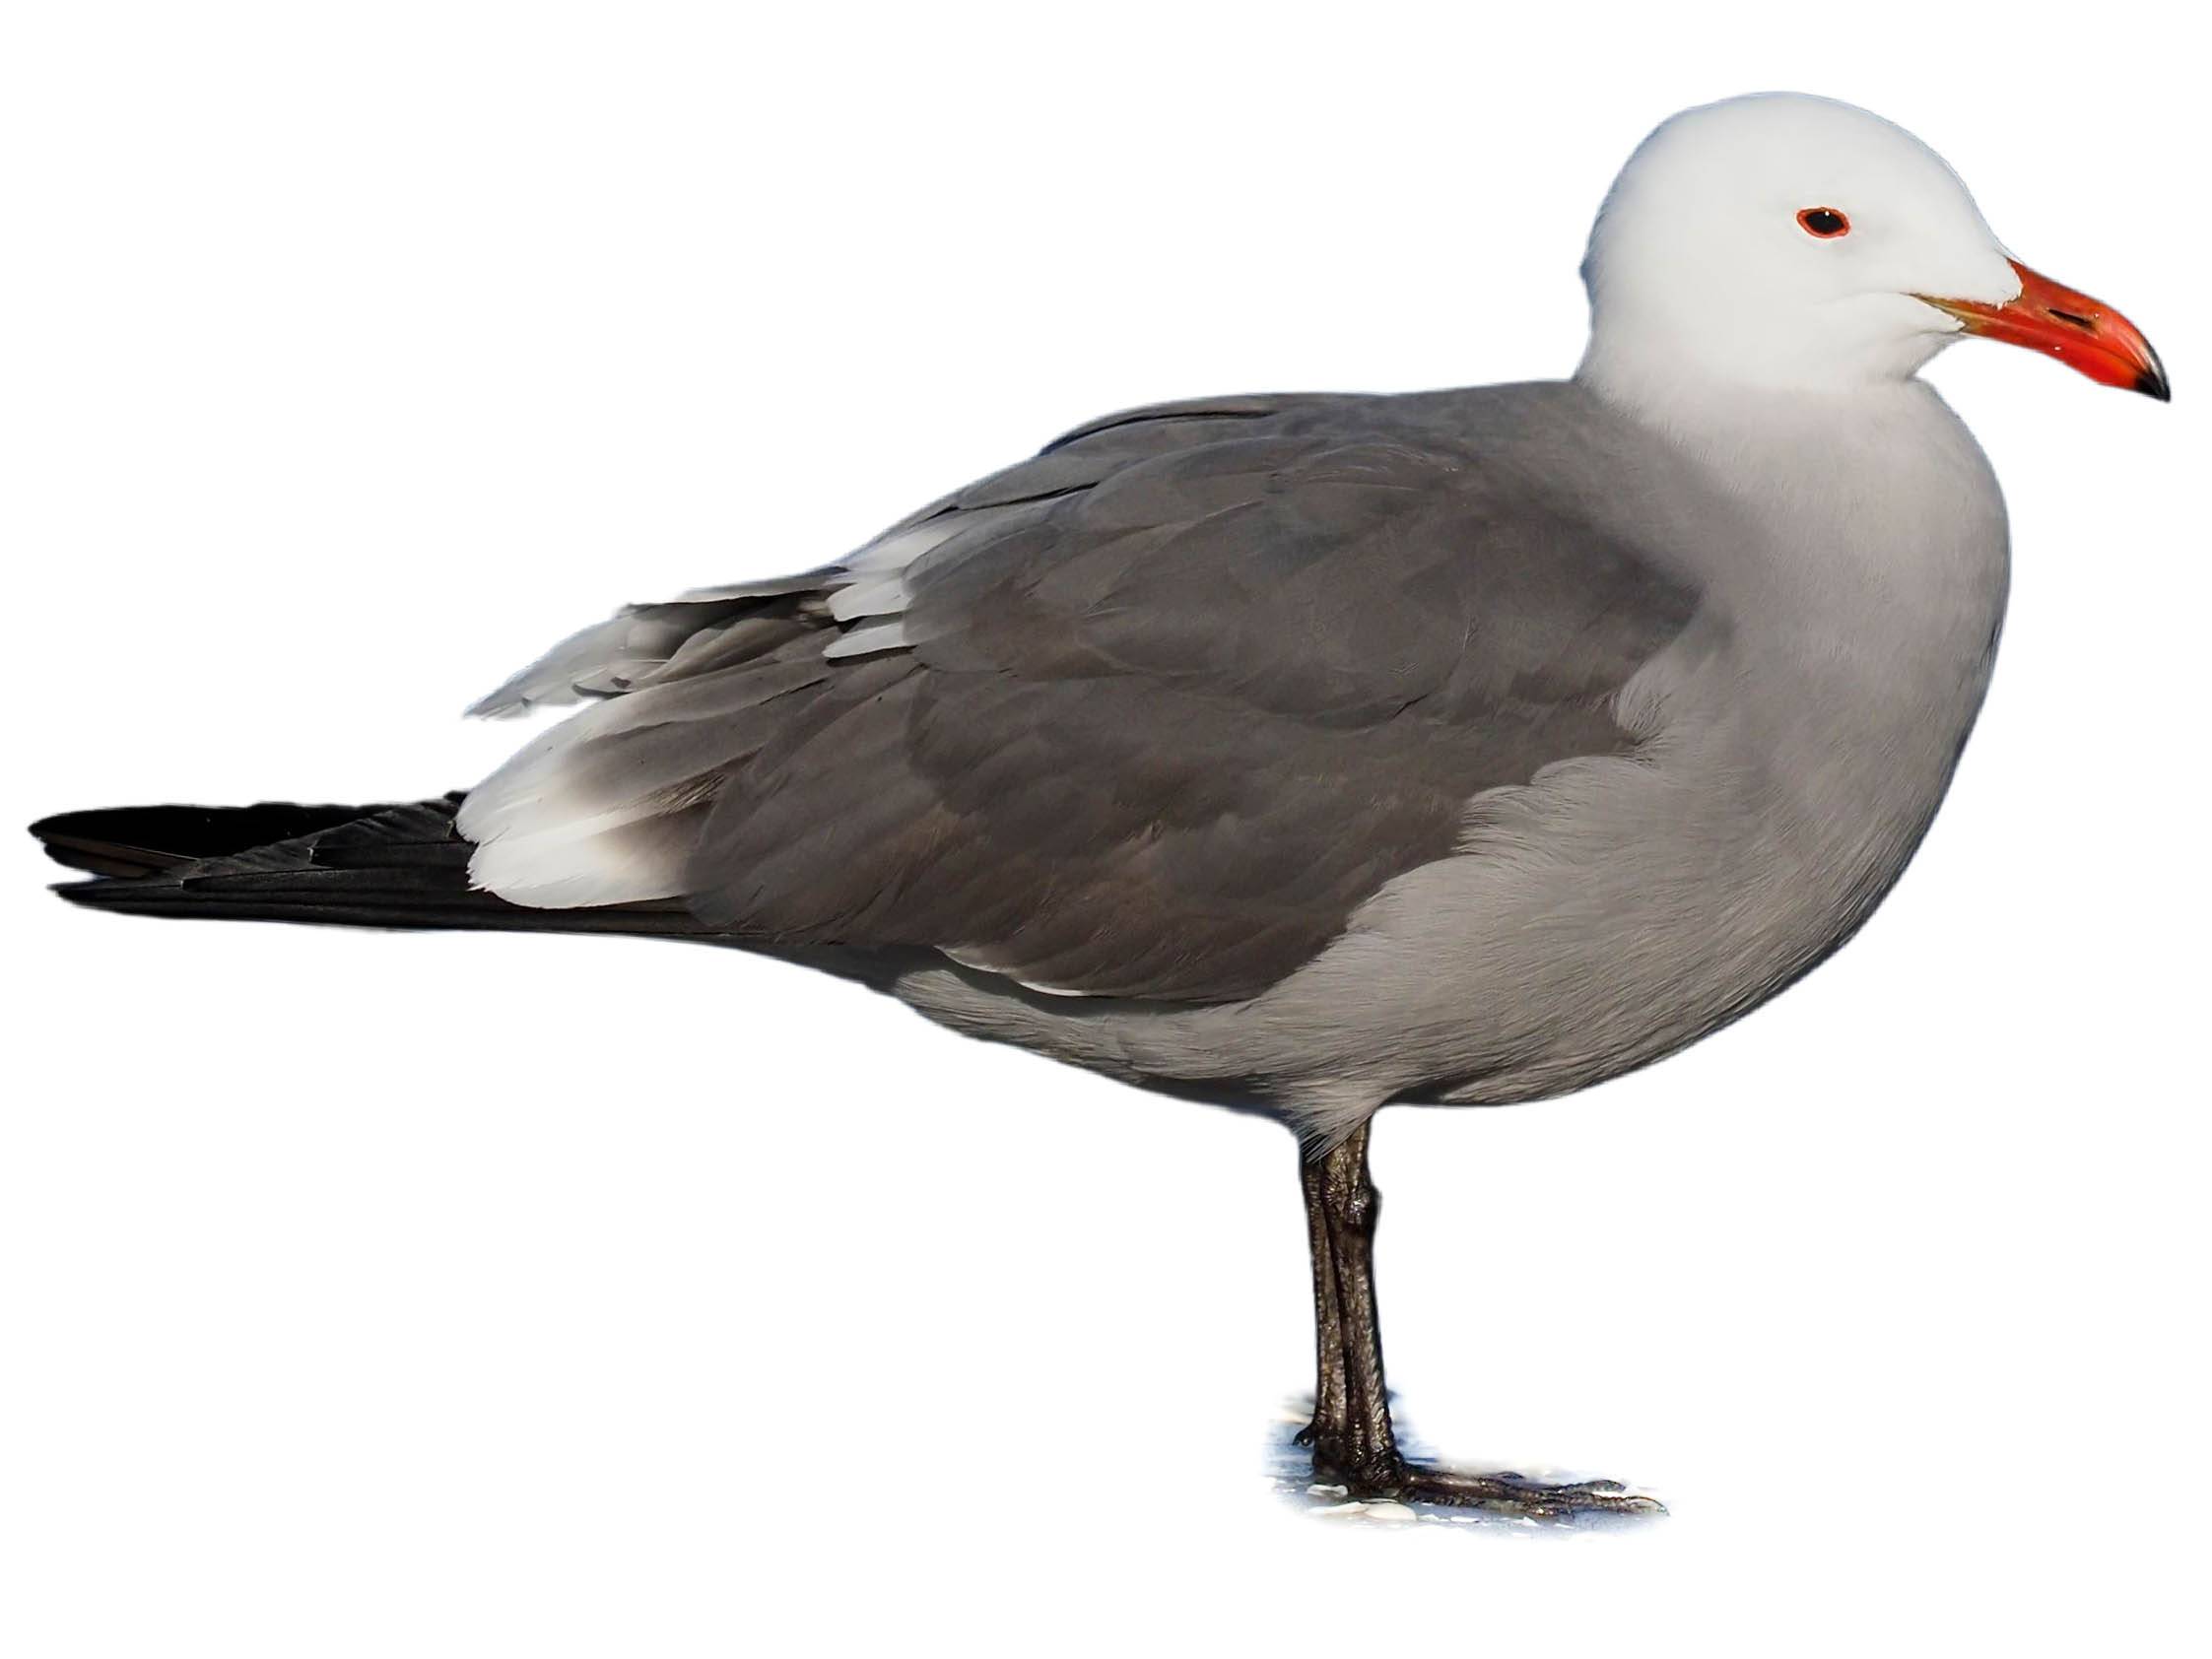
<point x="435" y="1295"/>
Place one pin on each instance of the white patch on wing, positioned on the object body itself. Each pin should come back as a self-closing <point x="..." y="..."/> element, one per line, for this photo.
<point x="876" y="637"/>
<point x="877" y="597"/>
<point x="521" y="786"/>
<point x="555" y="873"/>
<point x="984" y="964"/>
<point x="875" y="577"/>
<point x="540" y="844"/>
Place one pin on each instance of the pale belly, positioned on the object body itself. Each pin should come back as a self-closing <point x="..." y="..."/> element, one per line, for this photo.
<point x="1617" y="909"/>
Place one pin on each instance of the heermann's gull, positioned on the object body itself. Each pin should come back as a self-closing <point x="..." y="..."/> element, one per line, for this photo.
<point x="1319" y="752"/>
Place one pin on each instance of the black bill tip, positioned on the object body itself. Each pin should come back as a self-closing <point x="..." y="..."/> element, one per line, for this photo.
<point x="2152" y="381"/>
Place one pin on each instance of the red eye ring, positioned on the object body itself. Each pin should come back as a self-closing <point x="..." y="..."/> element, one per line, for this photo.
<point x="1825" y="223"/>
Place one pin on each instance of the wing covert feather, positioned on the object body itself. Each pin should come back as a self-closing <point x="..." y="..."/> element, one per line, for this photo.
<point x="1163" y="735"/>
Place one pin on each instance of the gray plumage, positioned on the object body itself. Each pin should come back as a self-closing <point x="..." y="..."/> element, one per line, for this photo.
<point x="1161" y="732"/>
<point x="1223" y="745"/>
<point x="1314" y="751"/>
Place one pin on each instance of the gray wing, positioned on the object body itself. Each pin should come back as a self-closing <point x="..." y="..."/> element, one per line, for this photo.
<point x="1149" y="715"/>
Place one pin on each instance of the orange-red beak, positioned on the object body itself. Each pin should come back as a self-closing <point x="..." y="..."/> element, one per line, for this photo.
<point x="2083" y="333"/>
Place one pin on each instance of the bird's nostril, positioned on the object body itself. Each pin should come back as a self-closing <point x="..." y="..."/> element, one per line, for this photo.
<point x="2075" y="319"/>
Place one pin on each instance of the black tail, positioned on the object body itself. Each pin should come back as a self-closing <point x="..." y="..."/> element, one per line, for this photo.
<point x="373" y="866"/>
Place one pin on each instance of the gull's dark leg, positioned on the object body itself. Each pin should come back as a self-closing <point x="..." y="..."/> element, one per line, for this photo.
<point x="1354" y="1443"/>
<point x="1366" y="1453"/>
<point x="1327" y="1429"/>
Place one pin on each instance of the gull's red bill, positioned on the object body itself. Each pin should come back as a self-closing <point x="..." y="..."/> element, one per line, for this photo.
<point x="2082" y="333"/>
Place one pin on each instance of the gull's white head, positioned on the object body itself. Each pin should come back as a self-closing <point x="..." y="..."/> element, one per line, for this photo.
<point x="1794" y="244"/>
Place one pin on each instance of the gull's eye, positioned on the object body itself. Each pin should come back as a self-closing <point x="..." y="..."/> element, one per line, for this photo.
<point x="1824" y="222"/>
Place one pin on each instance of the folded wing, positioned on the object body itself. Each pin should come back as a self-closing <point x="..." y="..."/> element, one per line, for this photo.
<point x="1149" y="715"/>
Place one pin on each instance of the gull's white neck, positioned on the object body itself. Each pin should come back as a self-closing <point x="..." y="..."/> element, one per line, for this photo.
<point x="1879" y="524"/>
